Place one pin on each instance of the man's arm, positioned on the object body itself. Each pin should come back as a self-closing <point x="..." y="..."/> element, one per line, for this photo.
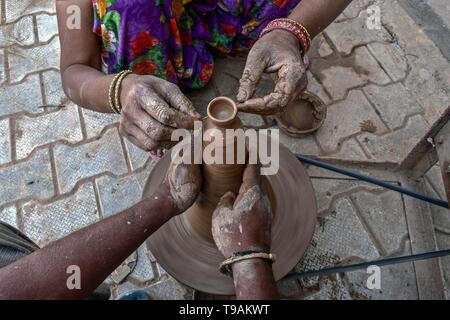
<point x="243" y="223"/>
<point x="98" y="249"/>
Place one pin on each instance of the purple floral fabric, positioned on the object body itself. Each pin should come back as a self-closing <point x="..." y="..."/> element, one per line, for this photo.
<point x="176" y="39"/>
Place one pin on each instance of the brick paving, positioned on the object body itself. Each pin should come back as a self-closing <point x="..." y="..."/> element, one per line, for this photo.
<point x="65" y="167"/>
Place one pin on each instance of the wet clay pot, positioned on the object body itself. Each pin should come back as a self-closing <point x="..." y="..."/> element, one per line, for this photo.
<point x="218" y="179"/>
<point x="184" y="246"/>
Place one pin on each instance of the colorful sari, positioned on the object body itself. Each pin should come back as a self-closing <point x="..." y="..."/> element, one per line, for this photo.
<point x="176" y="39"/>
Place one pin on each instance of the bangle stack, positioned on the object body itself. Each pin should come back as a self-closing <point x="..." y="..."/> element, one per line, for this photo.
<point x="115" y="89"/>
<point x="294" y="27"/>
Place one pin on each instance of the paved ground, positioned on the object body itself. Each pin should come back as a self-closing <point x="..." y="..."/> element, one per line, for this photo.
<point x="65" y="167"/>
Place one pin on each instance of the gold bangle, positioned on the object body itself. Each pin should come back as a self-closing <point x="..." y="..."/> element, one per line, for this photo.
<point x="118" y="89"/>
<point x="225" y="266"/>
<point x="111" y="93"/>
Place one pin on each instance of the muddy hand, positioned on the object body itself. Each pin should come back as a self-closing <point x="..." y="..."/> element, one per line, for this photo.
<point x="151" y="109"/>
<point x="276" y="52"/>
<point x="243" y="223"/>
<point x="180" y="187"/>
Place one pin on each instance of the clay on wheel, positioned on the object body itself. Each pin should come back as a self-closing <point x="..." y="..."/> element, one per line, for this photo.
<point x="193" y="259"/>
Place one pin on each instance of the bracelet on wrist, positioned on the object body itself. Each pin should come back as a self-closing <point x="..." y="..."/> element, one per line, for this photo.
<point x="225" y="266"/>
<point x="115" y="89"/>
<point x="292" y="26"/>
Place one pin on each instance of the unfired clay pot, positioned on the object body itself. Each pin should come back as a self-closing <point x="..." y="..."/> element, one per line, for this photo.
<point x="184" y="246"/>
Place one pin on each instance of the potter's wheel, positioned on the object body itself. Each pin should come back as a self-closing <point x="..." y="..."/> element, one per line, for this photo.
<point x="194" y="261"/>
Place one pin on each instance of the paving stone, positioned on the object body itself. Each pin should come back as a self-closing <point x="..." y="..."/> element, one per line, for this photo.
<point x="25" y="96"/>
<point x="54" y="92"/>
<point x="348" y="34"/>
<point x="95" y="122"/>
<point x="385" y="216"/>
<point x="324" y="48"/>
<point x="330" y="288"/>
<point x="338" y="237"/>
<point x="49" y="222"/>
<point x="428" y="82"/>
<point x="20" y="33"/>
<point x="344" y="119"/>
<point x="170" y="290"/>
<point x="123" y="289"/>
<point x="290" y="289"/>
<point x="314" y="86"/>
<point x="143" y="271"/>
<point x="30" y="133"/>
<point x="2" y="67"/>
<point x="78" y="162"/>
<point x="23" y="61"/>
<point x="16" y="9"/>
<point x="430" y="86"/>
<point x="398" y="282"/>
<point x="356" y="7"/>
<point x="5" y="141"/>
<point x="350" y="151"/>
<point x="362" y="68"/>
<point x="8" y="215"/>
<point x="30" y="178"/>
<point x="443" y="242"/>
<point x="304" y="145"/>
<point x="391" y="58"/>
<point x="118" y="194"/>
<point x="394" y="146"/>
<point x="161" y="270"/>
<point x="328" y="191"/>
<point x="47" y="26"/>
<point x="138" y="157"/>
<point x="393" y="102"/>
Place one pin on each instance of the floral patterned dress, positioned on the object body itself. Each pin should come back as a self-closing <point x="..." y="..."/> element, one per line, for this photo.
<point x="176" y="39"/>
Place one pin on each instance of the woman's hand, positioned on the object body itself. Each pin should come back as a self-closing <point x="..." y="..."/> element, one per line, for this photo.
<point x="243" y="223"/>
<point x="277" y="51"/>
<point x="151" y="109"/>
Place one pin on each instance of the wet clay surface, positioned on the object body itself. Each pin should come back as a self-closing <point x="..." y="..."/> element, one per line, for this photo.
<point x="194" y="260"/>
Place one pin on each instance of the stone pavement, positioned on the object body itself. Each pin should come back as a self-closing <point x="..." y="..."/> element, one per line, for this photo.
<point x="64" y="167"/>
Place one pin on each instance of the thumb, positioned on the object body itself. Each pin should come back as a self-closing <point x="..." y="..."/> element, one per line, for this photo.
<point x="227" y="201"/>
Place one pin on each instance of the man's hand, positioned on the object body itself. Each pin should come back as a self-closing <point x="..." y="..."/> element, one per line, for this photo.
<point x="243" y="223"/>
<point x="151" y="109"/>
<point x="181" y="187"/>
<point x="277" y="51"/>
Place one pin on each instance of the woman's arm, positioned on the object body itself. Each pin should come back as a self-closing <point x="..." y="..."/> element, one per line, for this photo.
<point x="279" y="52"/>
<point x="316" y="15"/>
<point x="151" y="107"/>
<point x="82" y="80"/>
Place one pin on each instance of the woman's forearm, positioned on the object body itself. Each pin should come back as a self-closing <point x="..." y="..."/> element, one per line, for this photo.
<point x="316" y="15"/>
<point x="87" y="87"/>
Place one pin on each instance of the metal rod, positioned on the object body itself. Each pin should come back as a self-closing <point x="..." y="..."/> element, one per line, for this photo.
<point x="353" y="174"/>
<point x="382" y="262"/>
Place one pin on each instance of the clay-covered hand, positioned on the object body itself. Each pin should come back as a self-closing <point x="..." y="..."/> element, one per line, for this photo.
<point x="151" y="109"/>
<point x="276" y="52"/>
<point x="180" y="187"/>
<point x="243" y="223"/>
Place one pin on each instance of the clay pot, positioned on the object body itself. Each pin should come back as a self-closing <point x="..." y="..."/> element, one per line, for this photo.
<point x="302" y="116"/>
<point x="218" y="179"/>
